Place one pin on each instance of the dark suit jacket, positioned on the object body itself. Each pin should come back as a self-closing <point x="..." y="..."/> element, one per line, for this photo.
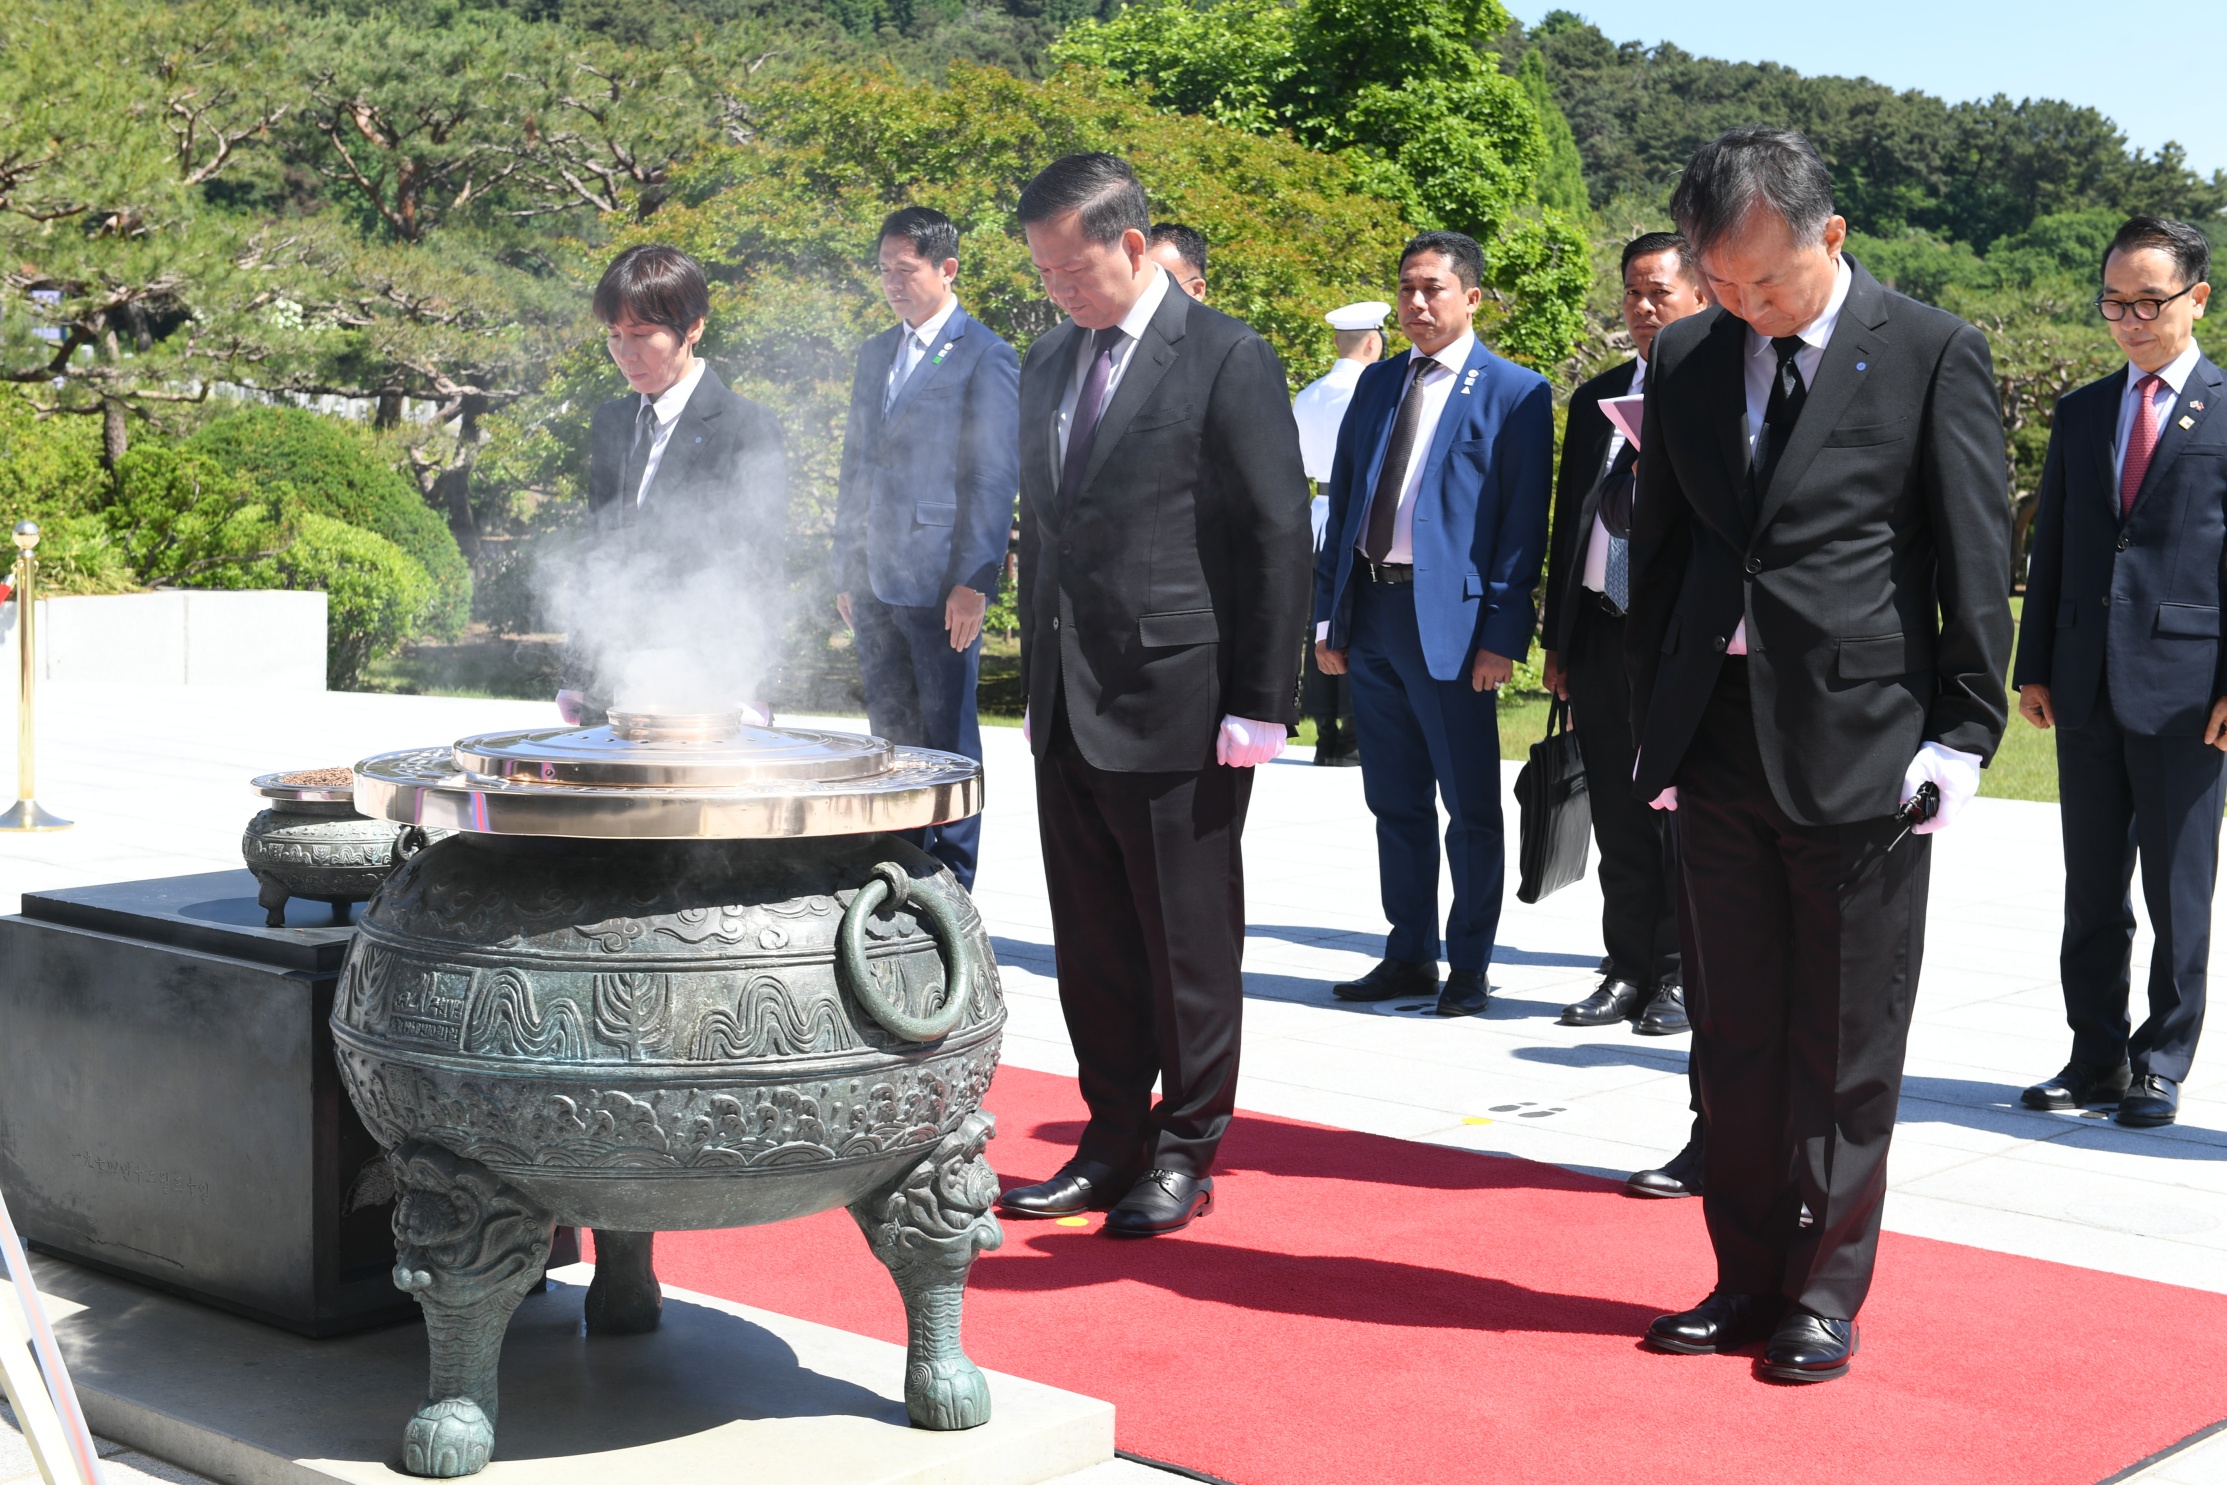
<point x="1577" y="497"/>
<point x="1480" y="528"/>
<point x="924" y="502"/>
<point x="1171" y="589"/>
<point x="2146" y="591"/>
<point x="1872" y="572"/>
<point x="696" y="567"/>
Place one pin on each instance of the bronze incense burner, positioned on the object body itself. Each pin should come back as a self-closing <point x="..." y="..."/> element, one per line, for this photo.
<point x="671" y="973"/>
<point x="310" y="842"/>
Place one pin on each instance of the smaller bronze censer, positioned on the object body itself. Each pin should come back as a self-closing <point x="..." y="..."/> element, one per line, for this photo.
<point x="672" y="973"/>
<point x="310" y="843"/>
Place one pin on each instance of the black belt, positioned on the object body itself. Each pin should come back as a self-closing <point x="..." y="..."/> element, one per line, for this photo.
<point x="1387" y="572"/>
<point x="1607" y="604"/>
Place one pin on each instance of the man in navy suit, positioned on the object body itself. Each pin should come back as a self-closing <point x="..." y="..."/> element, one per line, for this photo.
<point x="925" y="505"/>
<point x="2119" y="650"/>
<point x="1436" y="532"/>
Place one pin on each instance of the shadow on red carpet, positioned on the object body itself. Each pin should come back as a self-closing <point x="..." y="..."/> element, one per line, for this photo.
<point x="1369" y="1311"/>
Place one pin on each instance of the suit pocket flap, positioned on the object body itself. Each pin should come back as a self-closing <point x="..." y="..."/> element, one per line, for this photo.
<point x="2197" y="620"/>
<point x="936" y="515"/>
<point x="1191" y="626"/>
<point x="1472" y="586"/>
<point x="1877" y="657"/>
<point x="2068" y="614"/>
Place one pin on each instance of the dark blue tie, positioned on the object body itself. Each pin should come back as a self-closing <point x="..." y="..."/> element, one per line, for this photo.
<point x="1082" y="429"/>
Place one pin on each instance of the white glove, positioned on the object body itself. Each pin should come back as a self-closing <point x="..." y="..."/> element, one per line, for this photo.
<point x="1667" y="800"/>
<point x="1955" y="774"/>
<point x="1026" y="740"/>
<point x="1244" y="743"/>
<point x="756" y="713"/>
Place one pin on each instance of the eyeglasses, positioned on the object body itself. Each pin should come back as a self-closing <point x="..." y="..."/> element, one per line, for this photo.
<point x="2115" y="310"/>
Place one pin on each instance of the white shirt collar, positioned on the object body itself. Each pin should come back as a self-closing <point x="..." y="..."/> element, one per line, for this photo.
<point x="1639" y="374"/>
<point x="1820" y="330"/>
<point x="1147" y="305"/>
<point x="668" y="403"/>
<point x="930" y="329"/>
<point x="2174" y="371"/>
<point x="1455" y="356"/>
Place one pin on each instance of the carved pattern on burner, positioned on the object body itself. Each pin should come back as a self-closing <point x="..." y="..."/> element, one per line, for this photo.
<point x="579" y="1125"/>
<point x="506" y="1020"/>
<point x="770" y="1021"/>
<point x="634" y="1013"/>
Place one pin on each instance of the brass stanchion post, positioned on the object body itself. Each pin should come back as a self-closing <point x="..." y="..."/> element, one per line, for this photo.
<point x="26" y="813"/>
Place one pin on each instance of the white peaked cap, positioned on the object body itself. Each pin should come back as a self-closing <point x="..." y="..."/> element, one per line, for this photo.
<point x="1367" y="315"/>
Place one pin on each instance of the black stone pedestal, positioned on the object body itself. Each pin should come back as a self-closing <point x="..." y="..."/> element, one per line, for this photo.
<point x="169" y="1107"/>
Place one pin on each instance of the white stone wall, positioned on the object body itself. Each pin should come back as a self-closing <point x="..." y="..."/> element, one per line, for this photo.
<point x="263" y="640"/>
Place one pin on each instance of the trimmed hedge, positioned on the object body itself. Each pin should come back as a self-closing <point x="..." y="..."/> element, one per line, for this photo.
<point x="336" y="469"/>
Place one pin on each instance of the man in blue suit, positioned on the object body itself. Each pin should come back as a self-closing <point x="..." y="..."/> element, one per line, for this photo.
<point x="1436" y="533"/>
<point x="2119" y="650"/>
<point x="924" y="506"/>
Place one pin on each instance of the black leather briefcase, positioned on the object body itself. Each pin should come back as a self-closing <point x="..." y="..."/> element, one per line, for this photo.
<point x="1557" y="811"/>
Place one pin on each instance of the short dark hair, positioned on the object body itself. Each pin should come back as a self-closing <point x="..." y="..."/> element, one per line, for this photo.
<point x="2189" y="249"/>
<point x="1744" y="168"/>
<point x="1648" y="244"/>
<point x="1101" y="187"/>
<point x="1189" y="243"/>
<point x="931" y="233"/>
<point x="1457" y="248"/>
<point x="655" y="284"/>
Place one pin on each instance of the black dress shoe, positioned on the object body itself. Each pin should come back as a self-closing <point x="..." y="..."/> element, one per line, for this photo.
<point x="1466" y="993"/>
<point x="1616" y="1000"/>
<point x="2080" y="1084"/>
<point x="1081" y="1186"/>
<point x="1164" y="1201"/>
<point x="1665" y="1014"/>
<point x="2150" y="1102"/>
<point x="1390" y="980"/>
<point x="1809" y="1348"/>
<point x="1722" y="1322"/>
<point x="1678" y="1176"/>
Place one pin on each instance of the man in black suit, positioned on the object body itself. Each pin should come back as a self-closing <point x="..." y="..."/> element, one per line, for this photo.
<point x="1819" y="629"/>
<point x="1163" y="584"/>
<point x="1181" y="251"/>
<point x="677" y="603"/>
<point x="1588" y="591"/>
<point x="924" y="503"/>
<point x="2120" y="652"/>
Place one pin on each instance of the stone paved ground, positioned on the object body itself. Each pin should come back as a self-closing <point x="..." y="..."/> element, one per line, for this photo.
<point x="157" y="782"/>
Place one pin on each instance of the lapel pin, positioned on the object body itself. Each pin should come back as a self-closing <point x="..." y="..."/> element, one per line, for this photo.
<point x="2188" y="422"/>
<point x="1860" y="365"/>
<point x="2195" y="404"/>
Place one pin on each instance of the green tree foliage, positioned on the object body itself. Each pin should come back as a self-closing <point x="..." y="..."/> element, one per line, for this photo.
<point x="1561" y="183"/>
<point x="336" y="469"/>
<point x="1412" y="89"/>
<point x="376" y="596"/>
<point x="1967" y="172"/>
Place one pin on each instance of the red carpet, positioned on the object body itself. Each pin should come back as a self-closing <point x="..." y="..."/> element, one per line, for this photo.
<point x="1368" y="1311"/>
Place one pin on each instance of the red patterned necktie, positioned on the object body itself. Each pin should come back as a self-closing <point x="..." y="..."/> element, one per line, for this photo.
<point x="2141" y="442"/>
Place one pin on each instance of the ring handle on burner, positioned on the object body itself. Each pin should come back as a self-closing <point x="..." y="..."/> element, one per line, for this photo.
<point x="890" y="884"/>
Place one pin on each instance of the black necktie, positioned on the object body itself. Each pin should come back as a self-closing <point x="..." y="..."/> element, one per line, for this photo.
<point x="1779" y="414"/>
<point x="1616" y="491"/>
<point x="1384" y="505"/>
<point x="638" y="456"/>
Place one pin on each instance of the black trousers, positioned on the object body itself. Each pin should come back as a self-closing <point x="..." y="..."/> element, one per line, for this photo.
<point x="2122" y="795"/>
<point x="1809" y="939"/>
<point x="1147" y="883"/>
<point x="1639" y="915"/>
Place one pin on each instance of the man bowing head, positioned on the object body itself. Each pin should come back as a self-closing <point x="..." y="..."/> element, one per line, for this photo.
<point x="1163" y="579"/>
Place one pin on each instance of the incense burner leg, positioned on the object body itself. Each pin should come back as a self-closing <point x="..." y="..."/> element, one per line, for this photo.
<point x="623" y="1298"/>
<point x="469" y="1248"/>
<point x="926" y="1227"/>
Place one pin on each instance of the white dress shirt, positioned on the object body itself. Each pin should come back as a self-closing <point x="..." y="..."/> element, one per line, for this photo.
<point x="666" y="408"/>
<point x="1436" y="386"/>
<point x="1595" y="575"/>
<point x="1132" y="330"/>
<point x="919" y="342"/>
<point x="2175" y="374"/>
<point x="1762" y="370"/>
<point x="1320" y="411"/>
